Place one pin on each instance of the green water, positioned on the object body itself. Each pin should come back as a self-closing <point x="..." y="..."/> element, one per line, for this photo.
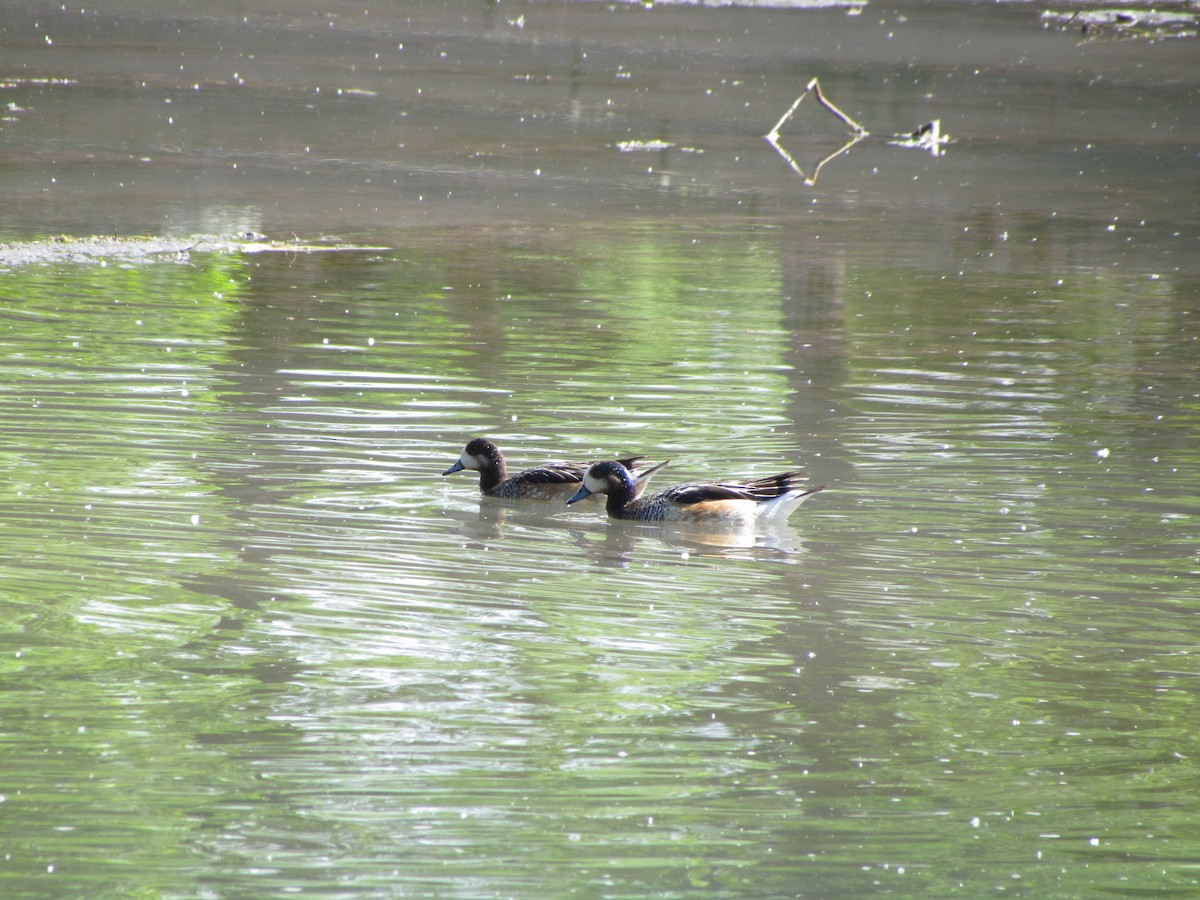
<point x="254" y="643"/>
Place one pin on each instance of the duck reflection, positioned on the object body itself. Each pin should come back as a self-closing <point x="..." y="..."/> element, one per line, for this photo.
<point x="487" y="521"/>
<point x="810" y="179"/>
<point x="623" y="539"/>
<point x="615" y="543"/>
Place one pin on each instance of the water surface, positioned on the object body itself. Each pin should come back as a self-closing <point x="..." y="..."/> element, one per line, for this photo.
<point x="255" y="645"/>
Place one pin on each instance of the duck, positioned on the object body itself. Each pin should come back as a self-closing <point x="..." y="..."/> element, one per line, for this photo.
<point x="549" y="481"/>
<point x="767" y="500"/>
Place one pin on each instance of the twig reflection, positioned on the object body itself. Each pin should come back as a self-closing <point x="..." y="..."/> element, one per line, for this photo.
<point x="790" y="160"/>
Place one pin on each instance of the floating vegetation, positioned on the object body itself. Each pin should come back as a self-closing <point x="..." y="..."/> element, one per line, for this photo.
<point x="12" y="109"/>
<point x="634" y="146"/>
<point x="132" y="251"/>
<point x="652" y="145"/>
<point x="1126" y="22"/>
<point x="10" y="83"/>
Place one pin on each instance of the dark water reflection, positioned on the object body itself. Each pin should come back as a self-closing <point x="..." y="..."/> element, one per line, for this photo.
<point x="254" y="644"/>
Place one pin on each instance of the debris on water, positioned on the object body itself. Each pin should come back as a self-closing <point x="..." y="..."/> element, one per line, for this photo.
<point x="1126" y="22"/>
<point x="855" y="6"/>
<point x="635" y="146"/>
<point x="857" y="132"/>
<point x="99" y="250"/>
<point x="6" y="83"/>
<point x="928" y="137"/>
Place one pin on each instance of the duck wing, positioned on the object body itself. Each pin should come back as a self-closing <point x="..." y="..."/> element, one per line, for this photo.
<point x="757" y="490"/>
<point x="567" y="472"/>
<point x="553" y="473"/>
<point x="700" y="491"/>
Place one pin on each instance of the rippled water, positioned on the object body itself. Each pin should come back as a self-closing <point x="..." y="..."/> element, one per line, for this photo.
<point x="254" y="644"/>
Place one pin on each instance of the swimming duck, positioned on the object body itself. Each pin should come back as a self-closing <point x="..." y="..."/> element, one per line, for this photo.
<point x="770" y="499"/>
<point x="549" y="481"/>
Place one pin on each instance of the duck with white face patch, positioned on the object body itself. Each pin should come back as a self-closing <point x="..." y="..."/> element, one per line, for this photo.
<point x="761" y="500"/>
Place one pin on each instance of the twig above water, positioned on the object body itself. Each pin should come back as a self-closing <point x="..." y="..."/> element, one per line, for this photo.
<point x="814" y="88"/>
